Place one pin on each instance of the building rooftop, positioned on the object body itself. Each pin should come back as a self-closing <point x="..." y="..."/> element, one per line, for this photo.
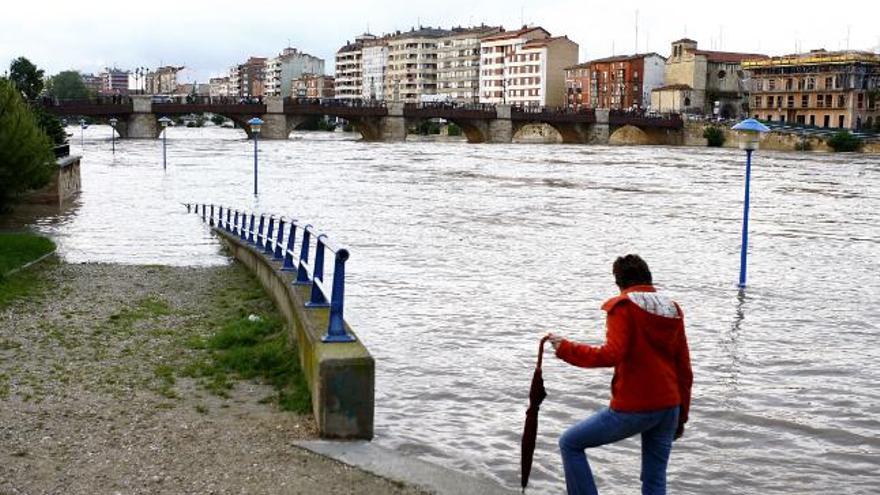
<point x="685" y="40"/>
<point x="673" y="86"/>
<point x="815" y="57"/>
<point x="728" y="57"/>
<point x="540" y="42"/>
<point x="514" y="34"/>
<point x="422" y="32"/>
<point x="623" y="58"/>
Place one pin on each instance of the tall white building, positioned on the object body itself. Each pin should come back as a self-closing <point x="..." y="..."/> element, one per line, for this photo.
<point x="458" y="64"/>
<point x="412" y="64"/>
<point x="350" y="68"/>
<point x="375" y="62"/>
<point x="525" y="67"/>
<point x="290" y="64"/>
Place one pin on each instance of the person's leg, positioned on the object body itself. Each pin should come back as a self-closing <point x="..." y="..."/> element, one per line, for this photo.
<point x="656" y="445"/>
<point x="605" y="426"/>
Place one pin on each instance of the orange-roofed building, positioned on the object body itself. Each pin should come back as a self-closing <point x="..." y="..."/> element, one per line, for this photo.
<point x="703" y="82"/>
<point x="525" y="67"/>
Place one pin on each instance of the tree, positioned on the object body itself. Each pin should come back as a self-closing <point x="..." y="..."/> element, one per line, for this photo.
<point x="218" y="119"/>
<point x="26" y="77"/>
<point x="714" y="136"/>
<point x="67" y="85"/>
<point x="26" y="158"/>
<point x="844" y="141"/>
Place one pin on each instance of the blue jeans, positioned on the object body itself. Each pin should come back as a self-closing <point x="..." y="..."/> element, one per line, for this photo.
<point x="609" y="426"/>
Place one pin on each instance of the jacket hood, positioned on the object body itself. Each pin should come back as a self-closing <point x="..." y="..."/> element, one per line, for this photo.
<point x="658" y="317"/>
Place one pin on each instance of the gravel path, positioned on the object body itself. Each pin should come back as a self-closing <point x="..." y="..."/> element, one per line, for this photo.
<point x="85" y="406"/>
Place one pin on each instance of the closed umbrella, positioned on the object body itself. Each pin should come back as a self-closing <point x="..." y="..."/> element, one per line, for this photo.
<point x="530" y="430"/>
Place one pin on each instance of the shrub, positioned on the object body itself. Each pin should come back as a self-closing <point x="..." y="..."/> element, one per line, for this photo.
<point x="26" y="158"/>
<point x="453" y="130"/>
<point x="844" y="141"/>
<point x="217" y="119"/>
<point x="714" y="136"/>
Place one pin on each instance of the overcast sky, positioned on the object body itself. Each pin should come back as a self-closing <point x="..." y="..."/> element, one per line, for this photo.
<point x="210" y="36"/>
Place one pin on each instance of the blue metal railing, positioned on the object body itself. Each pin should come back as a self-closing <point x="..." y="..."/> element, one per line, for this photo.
<point x="277" y="243"/>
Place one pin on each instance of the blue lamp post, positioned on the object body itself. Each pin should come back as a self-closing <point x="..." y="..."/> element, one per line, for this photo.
<point x="256" y="123"/>
<point x="750" y="131"/>
<point x="164" y="121"/>
<point x="113" y="123"/>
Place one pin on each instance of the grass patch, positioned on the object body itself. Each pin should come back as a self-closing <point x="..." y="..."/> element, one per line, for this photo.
<point x="148" y="307"/>
<point x="19" y="249"/>
<point x="248" y="349"/>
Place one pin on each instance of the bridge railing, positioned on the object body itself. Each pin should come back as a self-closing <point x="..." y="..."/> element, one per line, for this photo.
<point x="335" y="102"/>
<point x="94" y="100"/>
<point x="275" y="237"/>
<point x="450" y="105"/>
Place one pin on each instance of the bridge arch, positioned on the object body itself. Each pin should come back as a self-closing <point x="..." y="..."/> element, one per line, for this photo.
<point x="569" y="132"/>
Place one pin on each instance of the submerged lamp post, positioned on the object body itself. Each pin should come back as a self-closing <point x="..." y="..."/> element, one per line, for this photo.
<point x="82" y="131"/>
<point x="113" y="122"/>
<point x="256" y="123"/>
<point x="164" y="121"/>
<point x="750" y="135"/>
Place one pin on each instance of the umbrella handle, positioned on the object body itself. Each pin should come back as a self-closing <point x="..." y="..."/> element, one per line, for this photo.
<point x="541" y="351"/>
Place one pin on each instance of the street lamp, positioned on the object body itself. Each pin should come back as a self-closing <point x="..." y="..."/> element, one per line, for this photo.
<point x="113" y="122"/>
<point x="82" y="131"/>
<point x="164" y="121"/>
<point x="750" y="135"/>
<point x="256" y="123"/>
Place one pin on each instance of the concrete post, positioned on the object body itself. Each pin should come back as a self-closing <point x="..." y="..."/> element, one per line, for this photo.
<point x="142" y="123"/>
<point x="601" y="130"/>
<point x="501" y="128"/>
<point x="393" y="126"/>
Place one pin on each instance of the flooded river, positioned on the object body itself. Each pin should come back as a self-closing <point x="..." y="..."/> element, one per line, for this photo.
<point x="464" y="255"/>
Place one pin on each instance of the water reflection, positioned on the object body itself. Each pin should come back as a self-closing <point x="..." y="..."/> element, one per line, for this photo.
<point x="463" y="255"/>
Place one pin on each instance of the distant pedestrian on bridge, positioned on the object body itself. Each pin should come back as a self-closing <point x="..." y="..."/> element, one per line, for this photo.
<point x="651" y="390"/>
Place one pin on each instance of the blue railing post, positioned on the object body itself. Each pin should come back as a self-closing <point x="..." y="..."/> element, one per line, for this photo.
<point x="317" y="299"/>
<point x="204" y="212"/>
<point x="211" y="219"/>
<point x="243" y="233"/>
<point x="268" y="242"/>
<point x="260" y="230"/>
<point x="188" y="209"/>
<point x="228" y="217"/>
<point x="288" y="266"/>
<point x="235" y="225"/>
<point x="302" y="276"/>
<point x="336" y="326"/>
<point x="250" y="233"/>
<point x="278" y="255"/>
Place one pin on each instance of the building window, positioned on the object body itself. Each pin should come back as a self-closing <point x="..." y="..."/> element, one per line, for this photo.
<point x="828" y="83"/>
<point x="840" y="121"/>
<point x="841" y="101"/>
<point x="758" y="102"/>
<point x="790" y="101"/>
<point x="722" y="74"/>
<point x="772" y="84"/>
<point x="813" y="120"/>
<point x="789" y="84"/>
<point x="811" y="83"/>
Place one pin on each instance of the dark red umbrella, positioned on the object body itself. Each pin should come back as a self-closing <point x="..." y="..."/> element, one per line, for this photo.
<point x="530" y="430"/>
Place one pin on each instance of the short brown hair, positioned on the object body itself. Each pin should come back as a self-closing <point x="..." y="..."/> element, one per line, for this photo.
<point x="631" y="270"/>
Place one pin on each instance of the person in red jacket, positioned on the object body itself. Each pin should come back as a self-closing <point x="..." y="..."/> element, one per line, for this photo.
<point x="645" y="342"/>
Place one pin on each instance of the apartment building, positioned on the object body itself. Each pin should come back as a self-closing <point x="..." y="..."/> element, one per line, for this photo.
<point x="703" y="81"/>
<point x="525" y="67"/>
<point x="290" y="64"/>
<point x="114" y="81"/>
<point x="219" y="87"/>
<point x="248" y="80"/>
<point x="349" y="68"/>
<point x="458" y="63"/>
<point x="162" y="81"/>
<point x="620" y="83"/>
<point x="374" y="61"/>
<point x="92" y="83"/>
<point x="312" y="86"/>
<point x="819" y="88"/>
<point x="412" y="64"/>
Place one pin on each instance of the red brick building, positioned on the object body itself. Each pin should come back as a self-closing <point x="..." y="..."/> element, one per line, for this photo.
<point x="620" y="83"/>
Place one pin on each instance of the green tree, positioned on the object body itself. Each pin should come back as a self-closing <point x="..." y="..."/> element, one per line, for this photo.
<point x="67" y="85"/>
<point x="50" y="124"/>
<point x="218" y="119"/>
<point x="714" y="136"/>
<point x="844" y="141"/>
<point x="26" y="77"/>
<point x="26" y="158"/>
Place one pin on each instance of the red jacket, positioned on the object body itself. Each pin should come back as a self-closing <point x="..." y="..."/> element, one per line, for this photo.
<point x="646" y="344"/>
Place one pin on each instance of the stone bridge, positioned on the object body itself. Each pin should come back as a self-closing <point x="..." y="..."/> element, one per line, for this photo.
<point x="138" y="116"/>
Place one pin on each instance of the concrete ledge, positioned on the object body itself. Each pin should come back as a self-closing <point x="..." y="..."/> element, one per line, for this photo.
<point x="405" y="469"/>
<point x="340" y="376"/>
